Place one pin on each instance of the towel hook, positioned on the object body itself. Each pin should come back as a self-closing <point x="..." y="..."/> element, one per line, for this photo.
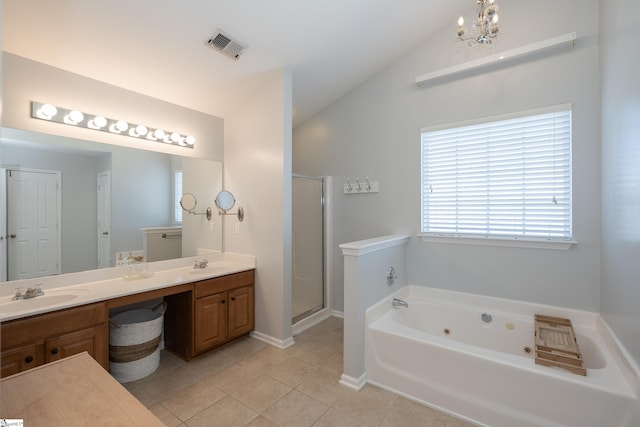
<point x="358" y="187"/>
<point x="349" y="188"/>
<point x="368" y="187"/>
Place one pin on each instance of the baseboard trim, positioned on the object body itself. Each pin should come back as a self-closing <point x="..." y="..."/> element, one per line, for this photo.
<point x="281" y="344"/>
<point x="354" y="383"/>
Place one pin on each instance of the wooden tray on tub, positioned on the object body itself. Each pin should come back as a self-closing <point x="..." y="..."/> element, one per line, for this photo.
<point x="556" y="344"/>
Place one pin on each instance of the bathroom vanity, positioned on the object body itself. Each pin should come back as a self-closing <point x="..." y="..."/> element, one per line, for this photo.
<point x="206" y="308"/>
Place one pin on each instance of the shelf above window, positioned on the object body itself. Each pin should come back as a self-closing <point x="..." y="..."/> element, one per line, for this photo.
<point x="498" y="58"/>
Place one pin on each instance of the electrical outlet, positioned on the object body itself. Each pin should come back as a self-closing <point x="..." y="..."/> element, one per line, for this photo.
<point x="210" y="226"/>
<point x="237" y="228"/>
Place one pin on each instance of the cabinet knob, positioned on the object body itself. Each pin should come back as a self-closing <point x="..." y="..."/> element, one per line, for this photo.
<point x="28" y="359"/>
<point x="222" y="302"/>
<point x="55" y="350"/>
<point x="233" y="298"/>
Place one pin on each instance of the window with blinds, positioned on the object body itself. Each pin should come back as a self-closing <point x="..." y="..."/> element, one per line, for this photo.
<point x="177" y="194"/>
<point x="509" y="177"/>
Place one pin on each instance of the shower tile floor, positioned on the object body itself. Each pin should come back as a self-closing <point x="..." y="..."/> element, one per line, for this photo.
<point x="250" y="383"/>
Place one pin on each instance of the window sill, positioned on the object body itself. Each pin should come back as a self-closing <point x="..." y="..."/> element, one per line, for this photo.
<point x="562" y="245"/>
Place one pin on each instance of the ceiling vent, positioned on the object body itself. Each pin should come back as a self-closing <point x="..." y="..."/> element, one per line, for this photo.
<point x="226" y="45"/>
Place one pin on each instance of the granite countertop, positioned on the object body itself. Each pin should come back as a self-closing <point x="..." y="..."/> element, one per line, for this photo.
<point x="75" y="289"/>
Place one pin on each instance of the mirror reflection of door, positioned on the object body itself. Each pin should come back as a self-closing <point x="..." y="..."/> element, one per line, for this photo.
<point x="33" y="223"/>
<point x="104" y="219"/>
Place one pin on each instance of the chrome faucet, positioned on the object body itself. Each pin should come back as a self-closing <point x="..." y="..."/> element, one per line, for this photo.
<point x="399" y="303"/>
<point x="200" y="264"/>
<point x="31" y="292"/>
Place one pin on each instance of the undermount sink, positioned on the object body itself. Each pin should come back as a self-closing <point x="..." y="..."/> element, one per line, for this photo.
<point x="13" y="306"/>
<point x="201" y="271"/>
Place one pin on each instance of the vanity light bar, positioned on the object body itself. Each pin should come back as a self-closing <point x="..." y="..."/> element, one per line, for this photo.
<point x="52" y="113"/>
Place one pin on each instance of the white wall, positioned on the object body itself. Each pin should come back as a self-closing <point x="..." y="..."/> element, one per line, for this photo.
<point x="620" y="37"/>
<point x="257" y="170"/>
<point x="375" y="131"/>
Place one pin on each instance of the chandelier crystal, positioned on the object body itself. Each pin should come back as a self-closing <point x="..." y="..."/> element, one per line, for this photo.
<point x="485" y="27"/>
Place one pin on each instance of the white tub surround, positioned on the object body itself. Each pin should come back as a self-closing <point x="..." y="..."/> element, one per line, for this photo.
<point x="365" y="282"/>
<point x="107" y="283"/>
<point x="440" y="351"/>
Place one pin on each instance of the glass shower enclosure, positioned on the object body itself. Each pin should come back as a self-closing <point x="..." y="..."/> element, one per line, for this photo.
<point x="308" y="219"/>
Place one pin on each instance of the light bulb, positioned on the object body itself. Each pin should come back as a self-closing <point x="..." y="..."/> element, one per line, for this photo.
<point x="158" y="134"/>
<point x="49" y="110"/>
<point x="121" y="125"/>
<point x="99" y="122"/>
<point x="175" y="137"/>
<point x="460" y="21"/>
<point x="76" y="116"/>
<point x="494" y="20"/>
<point x="190" y="140"/>
<point x="46" y="111"/>
<point x="141" y="130"/>
<point x="73" y="117"/>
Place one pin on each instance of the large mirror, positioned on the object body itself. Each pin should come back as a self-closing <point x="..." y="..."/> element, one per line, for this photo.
<point x="109" y="198"/>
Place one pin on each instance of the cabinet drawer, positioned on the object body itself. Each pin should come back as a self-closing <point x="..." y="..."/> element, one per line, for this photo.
<point x="21" y="331"/>
<point x="224" y="283"/>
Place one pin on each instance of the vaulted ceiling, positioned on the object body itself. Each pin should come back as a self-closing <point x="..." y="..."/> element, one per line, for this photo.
<point x="158" y="47"/>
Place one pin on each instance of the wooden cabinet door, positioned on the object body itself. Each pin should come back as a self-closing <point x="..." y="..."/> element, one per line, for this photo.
<point x="91" y="340"/>
<point x="241" y="318"/>
<point x="210" y="321"/>
<point x="21" y="358"/>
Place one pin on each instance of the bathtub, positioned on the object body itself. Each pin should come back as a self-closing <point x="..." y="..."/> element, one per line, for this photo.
<point x="440" y="352"/>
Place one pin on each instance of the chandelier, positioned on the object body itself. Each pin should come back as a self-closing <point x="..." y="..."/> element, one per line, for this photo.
<point x="485" y="27"/>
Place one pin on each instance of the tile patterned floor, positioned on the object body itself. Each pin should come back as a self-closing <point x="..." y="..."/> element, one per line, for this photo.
<point x="250" y="383"/>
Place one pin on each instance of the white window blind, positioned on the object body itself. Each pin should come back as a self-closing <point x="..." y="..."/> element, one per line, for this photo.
<point x="508" y="178"/>
<point x="177" y="194"/>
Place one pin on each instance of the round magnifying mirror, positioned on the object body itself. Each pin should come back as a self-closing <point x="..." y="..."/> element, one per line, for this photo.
<point x="225" y="200"/>
<point x="188" y="202"/>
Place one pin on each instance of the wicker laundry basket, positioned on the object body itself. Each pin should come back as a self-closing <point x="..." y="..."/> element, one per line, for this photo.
<point x="134" y="338"/>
